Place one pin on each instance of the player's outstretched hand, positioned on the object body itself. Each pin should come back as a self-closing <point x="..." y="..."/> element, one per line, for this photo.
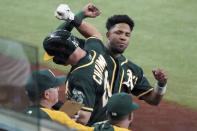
<point x="63" y="12"/>
<point x="160" y="75"/>
<point x="91" y="11"/>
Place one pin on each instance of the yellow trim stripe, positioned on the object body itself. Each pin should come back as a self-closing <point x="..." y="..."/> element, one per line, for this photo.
<point x="67" y="91"/>
<point x="91" y="37"/>
<point x="145" y="93"/>
<point x="87" y="108"/>
<point x="113" y="74"/>
<point x="101" y="122"/>
<point x="120" y="87"/>
<point x="86" y="64"/>
<point x="116" y="128"/>
<point x="124" y="62"/>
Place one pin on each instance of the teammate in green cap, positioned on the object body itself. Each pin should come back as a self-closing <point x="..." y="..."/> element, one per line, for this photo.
<point x="42" y="89"/>
<point x="120" y="109"/>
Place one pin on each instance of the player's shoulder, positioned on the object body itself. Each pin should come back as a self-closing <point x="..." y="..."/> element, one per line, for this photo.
<point x="85" y="64"/>
<point x="126" y="62"/>
<point x="31" y="110"/>
<point x="34" y="111"/>
<point x="96" y="44"/>
<point x="94" y="40"/>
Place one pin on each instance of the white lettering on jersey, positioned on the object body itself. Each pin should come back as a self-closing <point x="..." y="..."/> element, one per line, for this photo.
<point x="107" y="92"/>
<point x="100" y="65"/>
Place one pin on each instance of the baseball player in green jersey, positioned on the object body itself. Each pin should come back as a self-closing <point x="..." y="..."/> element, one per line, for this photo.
<point x="133" y="80"/>
<point x="130" y="77"/>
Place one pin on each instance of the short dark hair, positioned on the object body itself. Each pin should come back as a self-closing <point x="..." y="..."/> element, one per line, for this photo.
<point x="116" y="19"/>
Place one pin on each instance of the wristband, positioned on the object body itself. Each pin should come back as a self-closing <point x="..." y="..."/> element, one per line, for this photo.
<point x="76" y="22"/>
<point x="160" y="90"/>
<point x="80" y="15"/>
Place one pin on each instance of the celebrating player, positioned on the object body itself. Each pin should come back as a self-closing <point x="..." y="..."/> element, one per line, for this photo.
<point x="130" y="77"/>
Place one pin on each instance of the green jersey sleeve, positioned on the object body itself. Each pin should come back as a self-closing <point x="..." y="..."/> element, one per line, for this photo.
<point x="82" y="89"/>
<point x="94" y="43"/>
<point x="134" y="80"/>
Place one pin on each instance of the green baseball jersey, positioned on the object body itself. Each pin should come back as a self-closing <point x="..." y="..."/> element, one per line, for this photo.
<point x="36" y="111"/>
<point x="132" y="79"/>
<point x="107" y="126"/>
<point x="91" y="80"/>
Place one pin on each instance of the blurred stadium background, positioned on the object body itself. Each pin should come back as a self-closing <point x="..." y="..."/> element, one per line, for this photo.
<point x="164" y="36"/>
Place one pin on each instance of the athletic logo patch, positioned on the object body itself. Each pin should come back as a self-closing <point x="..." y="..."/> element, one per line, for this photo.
<point x="78" y="96"/>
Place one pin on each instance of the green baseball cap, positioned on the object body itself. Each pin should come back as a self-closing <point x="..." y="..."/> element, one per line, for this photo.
<point x="41" y="80"/>
<point x="121" y="104"/>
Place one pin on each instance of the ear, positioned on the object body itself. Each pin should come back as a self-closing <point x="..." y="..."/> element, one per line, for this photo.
<point x="46" y="94"/>
<point x="107" y="34"/>
<point x="131" y="116"/>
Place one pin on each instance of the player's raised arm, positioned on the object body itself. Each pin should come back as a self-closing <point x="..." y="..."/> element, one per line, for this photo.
<point x="63" y="12"/>
<point x="88" y="11"/>
<point x="159" y="89"/>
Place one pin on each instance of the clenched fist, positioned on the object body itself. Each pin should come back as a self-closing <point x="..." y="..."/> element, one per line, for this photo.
<point x="91" y="11"/>
<point x="160" y="75"/>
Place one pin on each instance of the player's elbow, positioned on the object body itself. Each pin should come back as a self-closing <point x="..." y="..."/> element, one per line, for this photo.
<point x="153" y="99"/>
<point x="153" y="102"/>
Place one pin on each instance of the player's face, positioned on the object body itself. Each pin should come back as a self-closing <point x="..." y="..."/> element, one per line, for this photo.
<point x="53" y="95"/>
<point x="118" y="38"/>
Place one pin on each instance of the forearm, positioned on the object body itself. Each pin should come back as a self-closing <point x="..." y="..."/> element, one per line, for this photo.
<point x="88" y="30"/>
<point x="153" y="98"/>
<point x="157" y="93"/>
